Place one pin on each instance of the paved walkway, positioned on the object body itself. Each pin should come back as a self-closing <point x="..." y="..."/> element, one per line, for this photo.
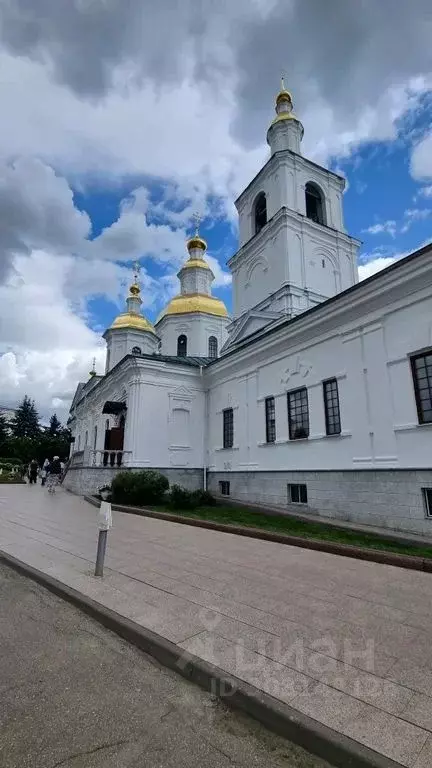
<point x="122" y="710"/>
<point x="345" y="642"/>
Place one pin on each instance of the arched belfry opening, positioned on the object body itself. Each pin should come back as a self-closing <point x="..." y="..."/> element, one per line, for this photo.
<point x="315" y="208"/>
<point x="213" y="347"/>
<point x="260" y="212"/>
<point x="182" y="346"/>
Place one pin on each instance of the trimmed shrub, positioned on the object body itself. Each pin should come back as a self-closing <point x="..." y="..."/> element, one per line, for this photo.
<point x="180" y="498"/>
<point x="139" y="488"/>
<point x="206" y="499"/>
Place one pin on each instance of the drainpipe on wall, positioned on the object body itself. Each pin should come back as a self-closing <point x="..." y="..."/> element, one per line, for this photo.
<point x="204" y="433"/>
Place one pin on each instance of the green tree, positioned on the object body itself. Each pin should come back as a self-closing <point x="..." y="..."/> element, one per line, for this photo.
<point x="4" y="432"/>
<point x="26" y="421"/>
<point x="55" y="427"/>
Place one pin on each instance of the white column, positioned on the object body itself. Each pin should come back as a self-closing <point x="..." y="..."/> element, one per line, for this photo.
<point x="133" y="421"/>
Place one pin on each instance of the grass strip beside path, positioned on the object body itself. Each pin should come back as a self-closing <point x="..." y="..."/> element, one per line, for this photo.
<point x="231" y="515"/>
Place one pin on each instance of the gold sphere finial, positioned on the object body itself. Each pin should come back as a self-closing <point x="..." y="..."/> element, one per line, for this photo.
<point x="134" y="288"/>
<point x="283" y="95"/>
<point x="196" y="241"/>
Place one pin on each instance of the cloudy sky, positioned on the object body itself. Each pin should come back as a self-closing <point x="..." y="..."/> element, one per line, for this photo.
<point x="120" y="118"/>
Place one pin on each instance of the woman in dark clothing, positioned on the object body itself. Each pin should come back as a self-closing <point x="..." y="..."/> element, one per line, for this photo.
<point x="54" y="473"/>
<point x="33" y="471"/>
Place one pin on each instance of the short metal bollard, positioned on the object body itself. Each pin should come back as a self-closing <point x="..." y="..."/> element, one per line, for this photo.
<point x="105" y="523"/>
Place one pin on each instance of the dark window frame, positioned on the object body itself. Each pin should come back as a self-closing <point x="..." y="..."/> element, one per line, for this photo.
<point x="314" y="193"/>
<point x="417" y="389"/>
<point x="260" y="212"/>
<point x="224" y="487"/>
<point x="427" y="496"/>
<point x="303" y="405"/>
<point x="228" y="427"/>
<point x="213" y="347"/>
<point x="182" y="342"/>
<point x="270" y="419"/>
<point x="297" y="493"/>
<point x="332" y="407"/>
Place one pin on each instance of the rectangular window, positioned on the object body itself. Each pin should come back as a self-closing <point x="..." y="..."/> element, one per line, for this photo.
<point x="331" y="407"/>
<point x="228" y="428"/>
<point x="270" y="419"/>
<point x="421" y="366"/>
<point x="298" y="414"/>
<point x="224" y="487"/>
<point x="297" y="493"/>
<point x="427" y="494"/>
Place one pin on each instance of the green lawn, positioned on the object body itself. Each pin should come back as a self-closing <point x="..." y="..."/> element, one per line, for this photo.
<point x="250" y="519"/>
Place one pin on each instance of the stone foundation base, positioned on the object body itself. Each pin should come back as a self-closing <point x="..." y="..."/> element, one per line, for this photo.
<point x="386" y="498"/>
<point x="88" y="480"/>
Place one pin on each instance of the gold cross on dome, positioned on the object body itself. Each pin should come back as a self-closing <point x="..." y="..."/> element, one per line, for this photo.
<point x="197" y="219"/>
<point x="137" y="270"/>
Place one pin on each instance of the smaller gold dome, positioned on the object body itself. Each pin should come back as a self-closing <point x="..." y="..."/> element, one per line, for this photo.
<point x="196" y="242"/>
<point x="194" y="302"/>
<point x="282" y="96"/>
<point x="135" y="289"/>
<point x="131" y="320"/>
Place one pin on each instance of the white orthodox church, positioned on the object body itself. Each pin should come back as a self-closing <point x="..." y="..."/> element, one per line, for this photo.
<point x="316" y="395"/>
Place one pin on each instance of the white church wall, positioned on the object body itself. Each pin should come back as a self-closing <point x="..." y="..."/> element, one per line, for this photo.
<point x="167" y="417"/>
<point x="164" y="419"/>
<point x="197" y="328"/>
<point x="283" y="180"/>
<point x="368" y="353"/>
<point x="292" y="250"/>
<point x="121" y="343"/>
<point x="196" y="281"/>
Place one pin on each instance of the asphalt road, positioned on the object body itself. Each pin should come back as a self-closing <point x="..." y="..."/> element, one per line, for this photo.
<point x="73" y="694"/>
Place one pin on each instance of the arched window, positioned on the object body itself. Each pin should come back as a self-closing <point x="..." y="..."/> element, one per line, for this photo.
<point x="95" y="438"/>
<point x="213" y="347"/>
<point x="86" y="438"/>
<point x="260" y="212"/>
<point x="136" y="351"/>
<point x="182" y="346"/>
<point x="314" y="203"/>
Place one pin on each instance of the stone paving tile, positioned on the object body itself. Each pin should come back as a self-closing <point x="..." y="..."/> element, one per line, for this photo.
<point x="388" y="735"/>
<point x="267" y="675"/>
<point x="406" y="672"/>
<point x="419" y="711"/>
<point x="357" y="622"/>
<point x="424" y="760"/>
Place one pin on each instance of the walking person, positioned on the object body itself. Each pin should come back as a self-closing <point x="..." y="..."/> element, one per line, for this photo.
<point x="44" y="472"/>
<point x="33" y="471"/>
<point x="54" y="474"/>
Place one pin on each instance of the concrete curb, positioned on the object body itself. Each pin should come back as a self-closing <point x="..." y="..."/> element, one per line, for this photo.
<point x="412" y="562"/>
<point x="280" y="718"/>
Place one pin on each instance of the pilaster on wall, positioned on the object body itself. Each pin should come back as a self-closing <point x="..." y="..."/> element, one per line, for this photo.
<point x="133" y="423"/>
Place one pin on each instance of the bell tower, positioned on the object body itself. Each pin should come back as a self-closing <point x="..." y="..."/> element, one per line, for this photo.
<point x="294" y="251"/>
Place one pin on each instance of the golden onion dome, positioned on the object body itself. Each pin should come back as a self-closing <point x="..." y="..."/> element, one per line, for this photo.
<point x="134" y="289"/>
<point x="282" y="96"/>
<point x="133" y="321"/>
<point x="185" y="304"/>
<point x="196" y="242"/>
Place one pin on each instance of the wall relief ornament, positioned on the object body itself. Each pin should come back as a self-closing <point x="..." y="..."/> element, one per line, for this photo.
<point x="299" y="368"/>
